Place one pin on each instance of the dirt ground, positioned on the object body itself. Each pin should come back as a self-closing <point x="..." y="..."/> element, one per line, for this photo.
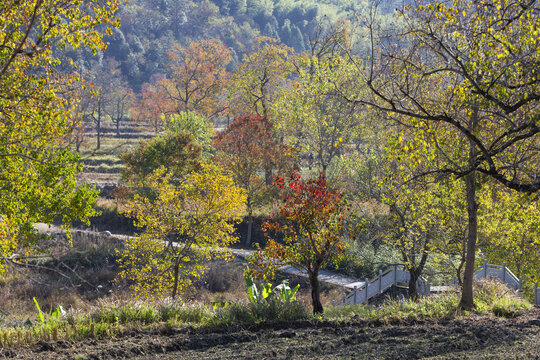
<point x="471" y="338"/>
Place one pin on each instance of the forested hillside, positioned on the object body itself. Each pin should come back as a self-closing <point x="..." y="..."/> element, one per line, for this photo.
<point x="149" y="28"/>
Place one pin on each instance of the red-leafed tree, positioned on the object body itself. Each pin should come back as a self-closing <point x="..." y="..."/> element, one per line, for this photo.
<point x="310" y="219"/>
<point x="250" y="152"/>
<point x="151" y="103"/>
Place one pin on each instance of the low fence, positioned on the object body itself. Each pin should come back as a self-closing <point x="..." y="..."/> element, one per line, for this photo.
<point x="384" y="281"/>
<point x="500" y="272"/>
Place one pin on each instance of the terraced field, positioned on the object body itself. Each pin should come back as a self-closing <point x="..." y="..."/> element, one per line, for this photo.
<point x="103" y="166"/>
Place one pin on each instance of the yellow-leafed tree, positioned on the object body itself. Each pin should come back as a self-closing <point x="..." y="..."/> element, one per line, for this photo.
<point x="185" y="223"/>
<point x="37" y="172"/>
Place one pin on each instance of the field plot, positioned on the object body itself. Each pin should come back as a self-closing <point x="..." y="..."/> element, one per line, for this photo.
<point x="103" y="165"/>
<point x="472" y="338"/>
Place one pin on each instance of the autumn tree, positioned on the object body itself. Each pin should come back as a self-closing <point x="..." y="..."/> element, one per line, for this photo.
<point x="185" y="224"/>
<point x="425" y="218"/>
<point x="121" y="97"/>
<point x="511" y="231"/>
<point x="97" y="98"/>
<point x="77" y="95"/>
<point x="465" y="74"/>
<point x="247" y="149"/>
<point x="257" y="79"/>
<point x="328" y="40"/>
<point x="197" y="74"/>
<point x="310" y="221"/>
<point x="311" y="114"/>
<point x="151" y="103"/>
<point x="37" y="179"/>
<point x="107" y="96"/>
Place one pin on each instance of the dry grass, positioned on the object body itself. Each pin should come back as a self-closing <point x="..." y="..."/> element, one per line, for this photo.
<point x="92" y="260"/>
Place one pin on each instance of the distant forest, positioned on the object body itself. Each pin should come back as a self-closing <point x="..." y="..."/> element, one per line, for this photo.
<point x="149" y="28"/>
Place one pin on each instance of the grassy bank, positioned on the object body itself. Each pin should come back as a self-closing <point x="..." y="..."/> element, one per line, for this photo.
<point x="115" y="318"/>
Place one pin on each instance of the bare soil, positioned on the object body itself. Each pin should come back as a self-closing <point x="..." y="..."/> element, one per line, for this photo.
<point x="470" y="338"/>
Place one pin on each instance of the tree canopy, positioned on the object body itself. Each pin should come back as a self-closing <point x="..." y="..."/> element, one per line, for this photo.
<point x="37" y="173"/>
<point x="184" y="224"/>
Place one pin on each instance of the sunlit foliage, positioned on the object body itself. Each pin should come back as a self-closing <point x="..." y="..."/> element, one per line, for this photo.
<point x="185" y="224"/>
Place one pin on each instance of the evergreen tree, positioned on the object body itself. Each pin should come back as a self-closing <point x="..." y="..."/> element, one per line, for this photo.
<point x="296" y="40"/>
<point x="270" y="31"/>
<point x="285" y="34"/>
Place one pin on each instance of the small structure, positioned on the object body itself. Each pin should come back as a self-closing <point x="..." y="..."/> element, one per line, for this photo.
<point x="398" y="275"/>
<point x="387" y="279"/>
<point x="500" y="272"/>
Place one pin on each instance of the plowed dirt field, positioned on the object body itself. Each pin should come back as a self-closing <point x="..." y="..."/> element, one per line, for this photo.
<point x="470" y="338"/>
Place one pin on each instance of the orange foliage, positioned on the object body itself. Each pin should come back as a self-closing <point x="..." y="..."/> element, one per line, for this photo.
<point x="152" y="102"/>
<point x="197" y="75"/>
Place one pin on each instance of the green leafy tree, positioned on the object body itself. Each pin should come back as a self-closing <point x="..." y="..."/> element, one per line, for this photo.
<point x="185" y="224"/>
<point x="37" y="178"/>
<point x="197" y="126"/>
<point x="178" y="152"/>
<point x="312" y="116"/>
<point x="467" y="79"/>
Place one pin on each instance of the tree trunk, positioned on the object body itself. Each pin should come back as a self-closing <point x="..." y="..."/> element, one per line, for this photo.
<point x="315" y="292"/>
<point x="268" y="178"/>
<point x="118" y="128"/>
<point x="249" y="229"/>
<point x="176" y="271"/>
<point x="98" y="126"/>
<point x="467" y="297"/>
<point x="414" y="274"/>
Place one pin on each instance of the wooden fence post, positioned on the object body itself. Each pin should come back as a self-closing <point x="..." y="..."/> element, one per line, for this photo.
<point x="485" y="268"/>
<point x="536" y="300"/>
<point x="380" y="281"/>
<point x="366" y="289"/>
<point x="504" y="272"/>
<point x="395" y="274"/>
<point x="355" y="289"/>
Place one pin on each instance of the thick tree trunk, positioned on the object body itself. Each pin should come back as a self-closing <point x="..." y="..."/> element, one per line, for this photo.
<point x="467" y="299"/>
<point x="315" y="292"/>
<point x="414" y="274"/>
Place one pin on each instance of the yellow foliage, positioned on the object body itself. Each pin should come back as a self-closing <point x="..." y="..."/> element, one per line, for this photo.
<point x="37" y="177"/>
<point x="185" y="223"/>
